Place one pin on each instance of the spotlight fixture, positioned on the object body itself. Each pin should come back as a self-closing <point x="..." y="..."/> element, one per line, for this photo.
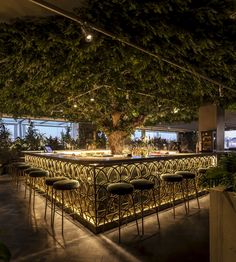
<point x="88" y="36"/>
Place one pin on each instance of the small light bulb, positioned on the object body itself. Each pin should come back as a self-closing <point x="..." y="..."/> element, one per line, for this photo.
<point x="89" y="38"/>
<point x="75" y="105"/>
<point x="92" y="99"/>
<point x="176" y="110"/>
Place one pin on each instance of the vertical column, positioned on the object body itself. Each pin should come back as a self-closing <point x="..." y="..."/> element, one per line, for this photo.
<point x="220" y="130"/>
<point x="211" y="126"/>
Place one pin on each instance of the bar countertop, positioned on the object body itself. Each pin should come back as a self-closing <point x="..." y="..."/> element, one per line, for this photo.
<point x="107" y="159"/>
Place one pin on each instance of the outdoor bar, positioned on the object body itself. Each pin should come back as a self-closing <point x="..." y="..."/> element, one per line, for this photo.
<point x="91" y="201"/>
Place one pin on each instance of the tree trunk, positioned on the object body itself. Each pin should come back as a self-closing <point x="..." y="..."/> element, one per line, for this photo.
<point x="116" y="141"/>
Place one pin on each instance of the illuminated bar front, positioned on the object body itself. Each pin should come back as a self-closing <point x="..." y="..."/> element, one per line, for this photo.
<point x="93" y="205"/>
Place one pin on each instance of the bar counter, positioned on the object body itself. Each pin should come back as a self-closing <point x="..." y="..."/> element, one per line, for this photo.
<point x="92" y="204"/>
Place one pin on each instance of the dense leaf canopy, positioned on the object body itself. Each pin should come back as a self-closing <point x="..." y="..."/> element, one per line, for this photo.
<point x="47" y="68"/>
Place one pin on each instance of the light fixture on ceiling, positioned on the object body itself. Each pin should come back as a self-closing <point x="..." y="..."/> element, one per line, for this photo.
<point x="88" y="36"/>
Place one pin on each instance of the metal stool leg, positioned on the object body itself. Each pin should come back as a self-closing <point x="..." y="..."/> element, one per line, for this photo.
<point x="141" y="195"/>
<point x="30" y="189"/>
<point x="195" y="186"/>
<point x="135" y="214"/>
<point x="173" y="198"/>
<point x="187" y="193"/>
<point x="52" y="206"/>
<point x="54" y="209"/>
<point x="26" y="179"/>
<point x="34" y="180"/>
<point x="119" y="215"/>
<point x="17" y="179"/>
<point x="182" y="189"/>
<point x="156" y="207"/>
<point x="46" y="202"/>
<point x="62" y="212"/>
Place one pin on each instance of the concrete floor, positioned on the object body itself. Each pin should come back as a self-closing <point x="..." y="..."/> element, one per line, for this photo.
<point x="30" y="238"/>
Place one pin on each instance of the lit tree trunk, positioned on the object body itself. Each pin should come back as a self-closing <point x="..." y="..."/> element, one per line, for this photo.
<point x="116" y="141"/>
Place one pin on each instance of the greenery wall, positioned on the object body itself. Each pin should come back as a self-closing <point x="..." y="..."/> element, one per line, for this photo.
<point x="47" y="67"/>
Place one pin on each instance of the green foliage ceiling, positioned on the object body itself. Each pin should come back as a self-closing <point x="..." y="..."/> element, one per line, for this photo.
<point x="47" y="67"/>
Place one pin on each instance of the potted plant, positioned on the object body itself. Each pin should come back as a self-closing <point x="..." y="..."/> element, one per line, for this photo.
<point x="223" y="174"/>
<point x="7" y="151"/>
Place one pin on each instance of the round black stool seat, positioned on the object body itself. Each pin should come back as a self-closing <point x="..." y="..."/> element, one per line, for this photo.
<point x="186" y="174"/>
<point x="142" y="184"/>
<point x="30" y="169"/>
<point x="66" y="184"/>
<point x="26" y="172"/>
<point x="171" y="178"/>
<point x="23" y="166"/>
<point x="38" y="173"/>
<point x="202" y="170"/>
<point x="120" y="188"/>
<point x="51" y="180"/>
<point x="18" y="163"/>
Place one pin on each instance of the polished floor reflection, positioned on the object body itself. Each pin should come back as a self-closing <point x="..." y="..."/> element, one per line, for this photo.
<point x="30" y="237"/>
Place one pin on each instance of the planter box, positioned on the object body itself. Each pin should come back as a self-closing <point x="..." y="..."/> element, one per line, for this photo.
<point x="222" y="225"/>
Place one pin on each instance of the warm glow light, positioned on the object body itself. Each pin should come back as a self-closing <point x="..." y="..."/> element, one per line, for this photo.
<point x="75" y="105"/>
<point x="92" y="99"/>
<point x="89" y="38"/>
<point x="176" y="110"/>
<point x="79" y="201"/>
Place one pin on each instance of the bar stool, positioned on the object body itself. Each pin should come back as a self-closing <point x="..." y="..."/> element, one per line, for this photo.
<point x="61" y="186"/>
<point x="13" y="170"/>
<point x="122" y="189"/>
<point x="33" y="177"/>
<point x="19" y="171"/>
<point x="202" y="176"/>
<point x="142" y="184"/>
<point x="174" y="180"/>
<point x="49" y="185"/>
<point x="189" y="176"/>
<point x="26" y="174"/>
